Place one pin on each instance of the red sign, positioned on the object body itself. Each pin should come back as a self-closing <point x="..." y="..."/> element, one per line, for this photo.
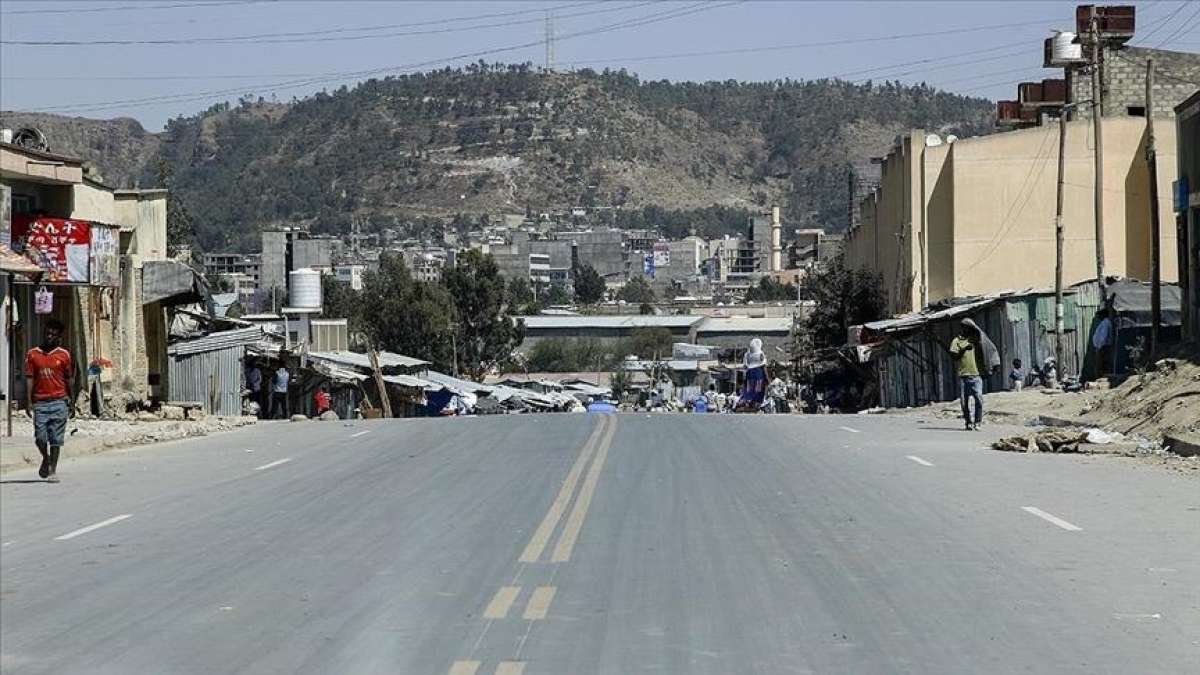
<point x="60" y="247"/>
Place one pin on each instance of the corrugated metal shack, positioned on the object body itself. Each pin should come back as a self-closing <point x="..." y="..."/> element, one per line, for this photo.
<point x="208" y="370"/>
<point x="909" y="354"/>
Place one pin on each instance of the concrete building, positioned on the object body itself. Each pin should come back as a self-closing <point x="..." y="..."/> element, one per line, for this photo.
<point x="1123" y="81"/>
<point x="976" y="216"/>
<point x="1186" y="204"/>
<point x="247" y="264"/>
<point x="112" y="322"/>
<point x="291" y="248"/>
<point x="602" y="249"/>
<point x="351" y="275"/>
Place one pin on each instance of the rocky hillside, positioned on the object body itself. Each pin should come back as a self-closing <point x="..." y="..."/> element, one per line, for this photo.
<point x="458" y="144"/>
<point x="120" y="148"/>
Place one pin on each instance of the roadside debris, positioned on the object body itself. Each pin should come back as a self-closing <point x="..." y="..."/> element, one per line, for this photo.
<point x="1054" y="440"/>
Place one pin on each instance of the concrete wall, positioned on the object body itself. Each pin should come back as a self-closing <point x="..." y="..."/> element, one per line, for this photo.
<point x="1188" y="221"/>
<point x="985" y="212"/>
<point x="145" y="213"/>
<point x="93" y="202"/>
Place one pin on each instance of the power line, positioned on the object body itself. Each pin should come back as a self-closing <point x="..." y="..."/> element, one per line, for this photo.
<point x="185" y="97"/>
<point x="1023" y="46"/>
<point x="1182" y="27"/>
<point x="129" y="8"/>
<point x="807" y="45"/>
<point x="1162" y="22"/>
<point x="307" y="37"/>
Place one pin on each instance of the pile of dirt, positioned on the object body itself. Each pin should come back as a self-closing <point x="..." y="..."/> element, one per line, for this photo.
<point x="1164" y="399"/>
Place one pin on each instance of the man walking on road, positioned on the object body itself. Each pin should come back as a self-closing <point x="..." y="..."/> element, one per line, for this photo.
<point x="969" y="350"/>
<point x="49" y="372"/>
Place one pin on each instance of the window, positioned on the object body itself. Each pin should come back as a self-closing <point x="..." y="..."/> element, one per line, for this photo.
<point x="1136" y="110"/>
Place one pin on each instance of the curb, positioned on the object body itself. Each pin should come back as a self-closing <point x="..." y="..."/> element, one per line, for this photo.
<point x="27" y="457"/>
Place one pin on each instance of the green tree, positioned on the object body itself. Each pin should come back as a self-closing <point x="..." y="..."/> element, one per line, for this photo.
<point x="842" y="297"/>
<point x="339" y="301"/>
<point x="487" y="333"/>
<point x="557" y="295"/>
<point x="769" y="290"/>
<point x="620" y="382"/>
<point x="636" y="291"/>
<point x="399" y="314"/>
<point x="648" y="343"/>
<point x="520" y="293"/>
<point x="589" y="285"/>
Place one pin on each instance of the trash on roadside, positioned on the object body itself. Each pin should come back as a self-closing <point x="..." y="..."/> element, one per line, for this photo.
<point x="1101" y="437"/>
<point x="1055" y="440"/>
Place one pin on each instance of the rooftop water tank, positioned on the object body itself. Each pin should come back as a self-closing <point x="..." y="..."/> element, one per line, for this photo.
<point x="305" y="288"/>
<point x="1064" y="50"/>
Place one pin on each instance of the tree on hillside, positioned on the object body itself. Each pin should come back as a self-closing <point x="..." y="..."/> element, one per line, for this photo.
<point x="842" y="297"/>
<point x="636" y="291"/>
<point x="180" y="228"/>
<point x="769" y="290"/>
<point x="487" y="333"/>
<point x="589" y="285"/>
<point x="400" y="314"/>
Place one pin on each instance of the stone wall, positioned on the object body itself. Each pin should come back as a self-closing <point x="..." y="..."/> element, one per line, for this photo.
<point x="1123" y="81"/>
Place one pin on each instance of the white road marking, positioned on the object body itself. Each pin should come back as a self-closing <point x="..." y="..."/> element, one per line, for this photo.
<point x="464" y="668"/>
<point x="1136" y="617"/>
<point x="1051" y="518"/>
<point x="920" y="461"/>
<point x="360" y="433"/>
<point x="7" y="543"/>
<point x="853" y="431"/>
<point x="510" y="668"/>
<point x="277" y="462"/>
<point x="501" y="602"/>
<point x="89" y="528"/>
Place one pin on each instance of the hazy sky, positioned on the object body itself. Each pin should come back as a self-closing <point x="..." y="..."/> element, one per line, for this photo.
<point x="293" y="48"/>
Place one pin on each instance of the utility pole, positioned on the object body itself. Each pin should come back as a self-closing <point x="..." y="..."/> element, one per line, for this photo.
<point x="1155" y="246"/>
<point x="1098" y="197"/>
<point x="1058" y="238"/>
<point x="850" y="203"/>
<point x="549" y="40"/>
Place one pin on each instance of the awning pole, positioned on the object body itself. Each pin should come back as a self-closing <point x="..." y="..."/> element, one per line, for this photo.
<point x="10" y="382"/>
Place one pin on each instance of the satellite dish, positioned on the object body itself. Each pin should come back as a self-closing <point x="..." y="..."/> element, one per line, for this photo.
<point x="29" y="137"/>
<point x="932" y="140"/>
<point x="951" y="138"/>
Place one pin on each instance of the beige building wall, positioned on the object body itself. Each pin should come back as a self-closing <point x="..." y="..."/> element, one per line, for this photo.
<point x="144" y="212"/>
<point x="93" y="203"/>
<point x="984" y="215"/>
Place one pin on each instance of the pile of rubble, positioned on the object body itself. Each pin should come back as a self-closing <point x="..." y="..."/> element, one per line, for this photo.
<point x="1063" y="440"/>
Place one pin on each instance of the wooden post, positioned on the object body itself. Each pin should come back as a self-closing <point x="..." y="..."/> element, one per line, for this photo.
<point x="1098" y="190"/>
<point x="1058" y="241"/>
<point x="384" y="400"/>
<point x="1155" y="234"/>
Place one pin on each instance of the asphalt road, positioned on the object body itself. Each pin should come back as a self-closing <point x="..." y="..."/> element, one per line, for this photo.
<point x="600" y="544"/>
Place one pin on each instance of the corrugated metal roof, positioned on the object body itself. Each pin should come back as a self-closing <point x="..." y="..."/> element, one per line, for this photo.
<point x="410" y="381"/>
<point x="628" y="321"/>
<point x="215" y="341"/>
<point x="458" y="385"/>
<point x="743" y="324"/>
<point x="356" y="360"/>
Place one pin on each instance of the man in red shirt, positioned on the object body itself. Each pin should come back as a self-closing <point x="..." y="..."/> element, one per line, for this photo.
<point x="48" y="374"/>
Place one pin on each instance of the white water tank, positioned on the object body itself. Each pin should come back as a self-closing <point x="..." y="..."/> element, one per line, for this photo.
<point x="305" y="288"/>
<point x="1064" y="50"/>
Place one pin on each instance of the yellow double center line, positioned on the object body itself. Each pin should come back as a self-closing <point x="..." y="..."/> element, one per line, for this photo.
<point x="597" y="445"/>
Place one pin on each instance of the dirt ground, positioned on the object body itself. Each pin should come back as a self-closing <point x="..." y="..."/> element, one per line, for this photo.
<point x="1164" y="399"/>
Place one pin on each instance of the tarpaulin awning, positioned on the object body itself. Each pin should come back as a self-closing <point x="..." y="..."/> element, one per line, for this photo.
<point x="12" y="263"/>
<point x="1130" y="301"/>
<point x="172" y="282"/>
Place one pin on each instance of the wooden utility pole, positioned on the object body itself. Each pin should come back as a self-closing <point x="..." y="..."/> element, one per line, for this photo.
<point x="385" y="401"/>
<point x="1155" y="249"/>
<point x="1058" y="240"/>
<point x="1097" y="114"/>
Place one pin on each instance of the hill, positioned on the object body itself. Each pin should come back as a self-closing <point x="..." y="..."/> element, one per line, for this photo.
<point x="456" y="145"/>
